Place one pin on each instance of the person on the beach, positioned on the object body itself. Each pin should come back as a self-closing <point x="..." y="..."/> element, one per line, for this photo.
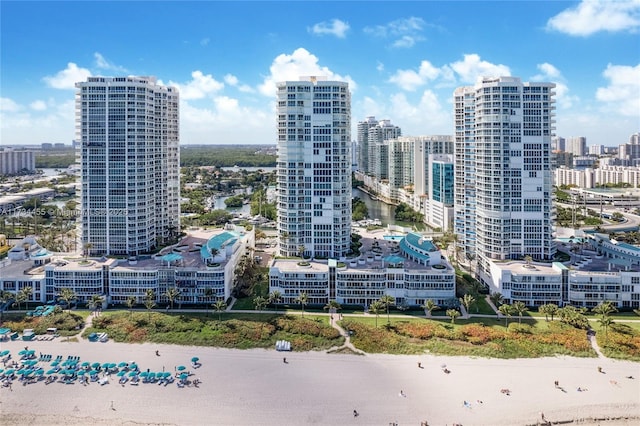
<point x="419" y="365"/>
<point x="157" y="353"/>
<point x="355" y="413"/>
<point x="284" y="360"/>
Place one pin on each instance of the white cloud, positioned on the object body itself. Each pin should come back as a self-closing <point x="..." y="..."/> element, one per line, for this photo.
<point x="205" y="41"/>
<point x="232" y="122"/>
<point x="9" y="105"/>
<point x="336" y="28"/>
<point x="406" y="32"/>
<point x="199" y="87"/>
<point x="592" y="16"/>
<point x="231" y="80"/>
<point x="473" y="67"/>
<point x="410" y="80"/>
<point x="623" y="91"/>
<point x="550" y="73"/>
<point x="380" y="66"/>
<point x="68" y="77"/>
<point x="27" y="128"/>
<point x="102" y="63"/>
<point x="38" y="105"/>
<point x="291" y="67"/>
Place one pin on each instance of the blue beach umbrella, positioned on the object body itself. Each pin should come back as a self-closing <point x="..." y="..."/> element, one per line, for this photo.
<point x="5" y="352"/>
<point x="39" y="372"/>
<point x="95" y="365"/>
<point x="123" y="364"/>
<point x="9" y="372"/>
<point x="52" y="371"/>
<point x="133" y="366"/>
<point x="183" y="376"/>
<point x="121" y="373"/>
<point x="181" y="368"/>
<point x="85" y="364"/>
<point x="55" y="363"/>
<point x="133" y="373"/>
<point x="195" y="359"/>
<point x="22" y="352"/>
<point x="144" y="374"/>
<point x="82" y="373"/>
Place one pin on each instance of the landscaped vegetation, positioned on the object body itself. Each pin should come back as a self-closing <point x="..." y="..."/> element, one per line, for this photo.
<point x="485" y="338"/>
<point x="67" y="323"/>
<point x="242" y="331"/>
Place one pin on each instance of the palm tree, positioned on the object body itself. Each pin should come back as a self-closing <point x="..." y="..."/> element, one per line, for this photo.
<point x="19" y="298"/>
<point x="302" y="299"/>
<point x="208" y="294"/>
<point x="453" y="314"/>
<point x="27" y="291"/>
<point x="549" y="309"/>
<point x="172" y="294"/>
<point x="506" y="311"/>
<point x="429" y="306"/>
<point x="605" y="322"/>
<point x="259" y="303"/>
<point x="67" y="295"/>
<point x="219" y="307"/>
<point x="467" y="300"/>
<point x="387" y="301"/>
<point x="87" y="248"/>
<point x="496" y="298"/>
<point x="605" y="308"/>
<point x="130" y="302"/>
<point x="275" y="297"/>
<point x="332" y="305"/>
<point x="520" y="308"/>
<point x="150" y="300"/>
<point x="95" y="303"/>
<point x="376" y="308"/>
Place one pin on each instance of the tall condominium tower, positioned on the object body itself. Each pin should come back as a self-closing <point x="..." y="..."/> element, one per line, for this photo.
<point x="314" y="167"/>
<point x="577" y="145"/>
<point x="128" y="128"/>
<point x="373" y="137"/>
<point x="503" y="131"/>
<point x="363" y="143"/>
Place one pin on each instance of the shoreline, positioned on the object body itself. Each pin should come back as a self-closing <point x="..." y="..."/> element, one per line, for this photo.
<point x="255" y="387"/>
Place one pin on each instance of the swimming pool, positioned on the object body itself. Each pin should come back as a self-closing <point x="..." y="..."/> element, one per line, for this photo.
<point x="393" y="237"/>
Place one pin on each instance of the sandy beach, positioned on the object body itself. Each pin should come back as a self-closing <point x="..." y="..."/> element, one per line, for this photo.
<point x="255" y="387"/>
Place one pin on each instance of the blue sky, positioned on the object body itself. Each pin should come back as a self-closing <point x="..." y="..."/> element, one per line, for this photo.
<point x="402" y="59"/>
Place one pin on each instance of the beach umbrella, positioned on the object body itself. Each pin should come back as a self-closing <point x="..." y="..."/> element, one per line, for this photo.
<point x="52" y="371"/>
<point x="22" y="352"/>
<point x="85" y="364"/>
<point x="123" y="364"/>
<point x="195" y="359"/>
<point x="9" y="372"/>
<point x="31" y="352"/>
<point x="55" y="363"/>
<point x="112" y="365"/>
<point x="105" y="365"/>
<point x="39" y="372"/>
<point x="133" y="366"/>
<point x="20" y="372"/>
<point x="93" y="372"/>
<point x="121" y="373"/>
<point x="133" y="373"/>
<point x="5" y="352"/>
<point x="144" y="374"/>
<point x="181" y="368"/>
<point x="1" y="371"/>
<point x="183" y="376"/>
<point x="166" y="374"/>
<point x="95" y="365"/>
<point x="160" y="374"/>
<point x="82" y="373"/>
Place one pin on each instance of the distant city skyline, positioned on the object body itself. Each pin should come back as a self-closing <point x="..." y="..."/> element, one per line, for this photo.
<point x="402" y="61"/>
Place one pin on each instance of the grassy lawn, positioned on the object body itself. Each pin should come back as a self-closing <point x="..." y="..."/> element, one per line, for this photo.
<point x="620" y="341"/>
<point x="241" y="331"/>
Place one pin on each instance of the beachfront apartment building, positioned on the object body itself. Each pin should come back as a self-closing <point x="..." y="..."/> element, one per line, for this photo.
<point x="15" y="161"/>
<point x="503" y="189"/>
<point x="128" y="131"/>
<point x="411" y="269"/>
<point x="313" y="117"/>
<point x="202" y="262"/>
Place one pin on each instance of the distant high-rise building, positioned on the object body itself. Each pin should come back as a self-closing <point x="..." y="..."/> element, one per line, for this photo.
<point x="504" y="208"/>
<point x="558" y="144"/>
<point x="577" y="145"/>
<point x="596" y="149"/>
<point x="373" y="137"/>
<point x="314" y="167"/>
<point x="15" y="161"/>
<point x="128" y="128"/>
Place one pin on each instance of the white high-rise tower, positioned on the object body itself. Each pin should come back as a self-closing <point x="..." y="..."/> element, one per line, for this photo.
<point x="503" y="185"/>
<point x="128" y="128"/>
<point x="314" y="167"/>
